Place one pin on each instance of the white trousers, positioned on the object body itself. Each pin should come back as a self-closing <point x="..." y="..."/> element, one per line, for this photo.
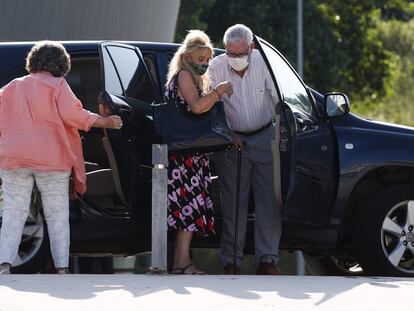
<point x="17" y="192"/>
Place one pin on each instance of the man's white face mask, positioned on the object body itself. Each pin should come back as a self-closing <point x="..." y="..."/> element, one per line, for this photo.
<point x="238" y="63"/>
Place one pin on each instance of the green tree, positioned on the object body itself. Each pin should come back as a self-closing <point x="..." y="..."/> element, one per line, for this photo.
<point x="396" y="9"/>
<point x="367" y="67"/>
<point x="397" y="106"/>
<point x="191" y="17"/>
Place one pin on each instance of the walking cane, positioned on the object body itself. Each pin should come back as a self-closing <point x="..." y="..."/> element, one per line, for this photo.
<point x="236" y="224"/>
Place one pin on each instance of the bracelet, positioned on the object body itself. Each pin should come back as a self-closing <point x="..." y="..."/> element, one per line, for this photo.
<point x="217" y="92"/>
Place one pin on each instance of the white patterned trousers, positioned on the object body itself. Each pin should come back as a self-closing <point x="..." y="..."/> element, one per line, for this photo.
<point x="17" y="192"/>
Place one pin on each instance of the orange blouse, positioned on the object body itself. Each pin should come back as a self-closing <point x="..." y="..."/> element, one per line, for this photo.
<point x="39" y="121"/>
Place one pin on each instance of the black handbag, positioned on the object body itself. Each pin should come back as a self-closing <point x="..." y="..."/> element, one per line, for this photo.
<point x="182" y="129"/>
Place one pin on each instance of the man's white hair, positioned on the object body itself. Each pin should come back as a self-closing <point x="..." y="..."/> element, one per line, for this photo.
<point x="237" y="33"/>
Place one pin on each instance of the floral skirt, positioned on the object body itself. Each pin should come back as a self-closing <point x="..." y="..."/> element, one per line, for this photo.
<point x="190" y="207"/>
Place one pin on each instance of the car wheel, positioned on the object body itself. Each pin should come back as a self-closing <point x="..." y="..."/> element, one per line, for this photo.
<point x="331" y="265"/>
<point x="383" y="232"/>
<point x="34" y="253"/>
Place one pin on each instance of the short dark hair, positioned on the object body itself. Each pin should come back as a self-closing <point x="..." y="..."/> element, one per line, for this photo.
<point x="48" y="56"/>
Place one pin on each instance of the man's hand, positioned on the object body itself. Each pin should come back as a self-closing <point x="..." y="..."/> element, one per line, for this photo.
<point x="225" y="87"/>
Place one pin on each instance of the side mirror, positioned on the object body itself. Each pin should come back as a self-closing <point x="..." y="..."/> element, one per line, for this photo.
<point x="336" y="104"/>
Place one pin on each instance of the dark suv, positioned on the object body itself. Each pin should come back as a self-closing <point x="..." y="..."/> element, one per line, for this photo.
<point x="347" y="184"/>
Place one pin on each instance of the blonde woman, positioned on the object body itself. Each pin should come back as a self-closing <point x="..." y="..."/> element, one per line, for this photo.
<point x="190" y="208"/>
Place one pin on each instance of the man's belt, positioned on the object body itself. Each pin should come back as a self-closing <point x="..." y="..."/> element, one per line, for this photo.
<point x="251" y="133"/>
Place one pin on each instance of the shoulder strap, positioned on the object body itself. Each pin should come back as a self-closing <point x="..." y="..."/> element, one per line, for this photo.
<point x="174" y="92"/>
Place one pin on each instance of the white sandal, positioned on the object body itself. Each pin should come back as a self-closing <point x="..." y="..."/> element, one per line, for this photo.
<point x="191" y="269"/>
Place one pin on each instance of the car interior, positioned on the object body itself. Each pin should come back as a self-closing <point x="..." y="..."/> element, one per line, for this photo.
<point x="103" y="182"/>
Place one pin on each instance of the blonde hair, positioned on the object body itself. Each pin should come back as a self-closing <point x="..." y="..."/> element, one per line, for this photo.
<point x="195" y="41"/>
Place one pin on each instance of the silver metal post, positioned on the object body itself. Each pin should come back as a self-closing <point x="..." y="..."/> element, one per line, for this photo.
<point x="159" y="209"/>
<point x="300" y="262"/>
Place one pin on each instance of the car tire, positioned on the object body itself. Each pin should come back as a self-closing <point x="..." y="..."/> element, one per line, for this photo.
<point x="331" y="265"/>
<point x="34" y="251"/>
<point x="383" y="232"/>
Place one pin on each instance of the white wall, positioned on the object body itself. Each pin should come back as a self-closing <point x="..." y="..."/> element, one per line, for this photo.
<point x="144" y="20"/>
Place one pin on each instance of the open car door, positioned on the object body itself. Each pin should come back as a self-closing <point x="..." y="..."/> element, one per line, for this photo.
<point x="307" y="152"/>
<point x="128" y="91"/>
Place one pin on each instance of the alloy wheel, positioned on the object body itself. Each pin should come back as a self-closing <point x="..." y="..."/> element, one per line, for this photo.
<point x="397" y="236"/>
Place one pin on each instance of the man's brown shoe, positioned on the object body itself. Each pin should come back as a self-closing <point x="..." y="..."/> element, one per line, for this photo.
<point x="267" y="268"/>
<point x="231" y="269"/>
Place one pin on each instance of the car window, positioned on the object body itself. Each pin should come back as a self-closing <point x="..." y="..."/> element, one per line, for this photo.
<point x="130" y="71"/>
<point x="292" y="89"/>
<point x="112" y="82"/>
<point x="84" y="79"/>
<point x="150" y="61"/>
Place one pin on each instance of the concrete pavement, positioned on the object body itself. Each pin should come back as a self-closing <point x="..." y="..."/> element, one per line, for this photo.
<point x="213" y="292"/>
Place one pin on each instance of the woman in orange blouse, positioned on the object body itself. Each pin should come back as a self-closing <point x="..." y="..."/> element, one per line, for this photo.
<point x="39" y="142"/>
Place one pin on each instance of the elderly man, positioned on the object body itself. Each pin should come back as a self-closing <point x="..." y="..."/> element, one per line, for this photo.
<point x="250" y="113"/>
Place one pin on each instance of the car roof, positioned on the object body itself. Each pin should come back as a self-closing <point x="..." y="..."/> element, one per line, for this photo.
<point x="92" y="44"/>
